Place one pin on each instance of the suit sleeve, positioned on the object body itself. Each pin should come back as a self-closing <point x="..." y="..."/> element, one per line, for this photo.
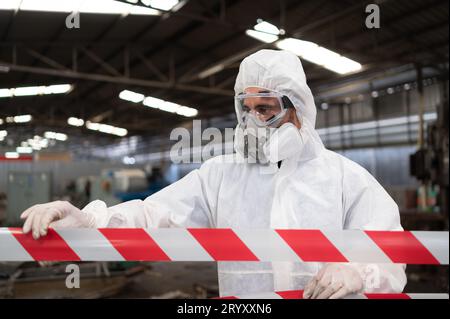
<point x="189" y="202"/>
<point x="368" y="206"/>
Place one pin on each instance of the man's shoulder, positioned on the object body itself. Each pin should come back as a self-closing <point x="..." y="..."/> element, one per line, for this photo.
<point x="347" y="165"/>
<point x="221" y="162"/>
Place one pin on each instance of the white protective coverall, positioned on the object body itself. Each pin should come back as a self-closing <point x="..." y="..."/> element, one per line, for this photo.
<point x="315" y="189"/>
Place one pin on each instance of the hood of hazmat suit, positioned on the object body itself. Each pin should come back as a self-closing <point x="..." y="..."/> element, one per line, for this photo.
<point x="312" y="189"/>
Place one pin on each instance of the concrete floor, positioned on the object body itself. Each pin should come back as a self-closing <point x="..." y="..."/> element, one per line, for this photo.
<point x="184" y="280"/>
<point x="184" y="277"/>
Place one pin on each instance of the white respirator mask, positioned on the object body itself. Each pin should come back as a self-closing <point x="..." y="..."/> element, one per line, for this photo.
<point x="257" y="137"/>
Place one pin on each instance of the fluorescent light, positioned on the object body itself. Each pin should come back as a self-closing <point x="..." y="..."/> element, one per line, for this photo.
<point x="19" y="118"/>
<point x="165" y="5"/>
<point x="92" y="126"/>
<point x="129" y="160"/>
<point x="36" y="90"/>
<point x="166" y="106"/>
<point x="105" y="128"/>
<point x="9" y="4"/>
<point x="131" y="96"/>
<point x="61" y="137"/>
<point x="319" y="55"/>
<point x="55" y="136"/>
<point x="187" y="111"/>
<point x="1" y="121"/>
<point x="344" y="66"/>
<point x="266" y="27"/>
<point x="3" y="133"/>
<point x="43" y="143"/>
<point x="23" y="118"/>
<point x="169" y="107"/>
<point x="153" y="102"/>
<point x="24" y="150"/>
<point x="83" y="6"/>
<point x="264" y="31"/>
<point x="75" y="121"/>
<point x="57" y="89"/>
<point x="262" y="36"/>
<point x="6" y="93"/>
<point x="12" y="155"/>
<point x="36" y="143"/>
<point x="50" y="135"/>
<point x="30" y="90"/>
<point x="114" y="7"/>
<point x="138" y="10"/>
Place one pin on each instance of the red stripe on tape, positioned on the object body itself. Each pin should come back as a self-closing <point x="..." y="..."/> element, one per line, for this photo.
<point x="134" y="244"/>
<point x="387" y="296"/>
<point x="49" y="248"/>
<point x="311" y="245"/>
<point x="402" y="247"/>
<point x="222" y="244"/>
<point x="290" y="294"/>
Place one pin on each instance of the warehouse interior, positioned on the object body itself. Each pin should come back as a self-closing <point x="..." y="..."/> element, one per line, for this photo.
<point x="74" y="124"/>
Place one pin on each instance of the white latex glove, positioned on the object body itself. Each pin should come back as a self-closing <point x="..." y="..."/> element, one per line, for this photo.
<point x="58" y="214"/>
<point x="334" y="281"/>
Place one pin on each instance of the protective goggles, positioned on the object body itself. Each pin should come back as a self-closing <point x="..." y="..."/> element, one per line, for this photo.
<point x="267" y="108"/>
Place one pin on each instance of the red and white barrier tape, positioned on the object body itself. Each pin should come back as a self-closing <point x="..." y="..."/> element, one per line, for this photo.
<point x="200" y="244"/>
<point x="298" y="294"/>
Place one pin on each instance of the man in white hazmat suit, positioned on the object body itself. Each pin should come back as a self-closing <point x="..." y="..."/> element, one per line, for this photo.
<point x="300" y="185"/>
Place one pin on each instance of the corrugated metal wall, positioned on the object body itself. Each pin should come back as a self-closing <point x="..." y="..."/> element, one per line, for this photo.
<point x="61" y="172"/>
<point x="389" y="165"/>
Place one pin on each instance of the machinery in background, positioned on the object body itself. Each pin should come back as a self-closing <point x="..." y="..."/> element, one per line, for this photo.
<point x="430" y="165"/>
<point x="97" y="279"/>
<point x="24" y="190"/>
<point x="121" y="185"/>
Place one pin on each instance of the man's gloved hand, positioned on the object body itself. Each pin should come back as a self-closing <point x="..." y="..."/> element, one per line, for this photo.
<point x="334" y="281"/>
<point x="55" y="214"/>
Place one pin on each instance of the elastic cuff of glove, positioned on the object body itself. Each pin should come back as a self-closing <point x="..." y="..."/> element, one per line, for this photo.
<point x="363" y="271"/>
<point x="97" y="212"/>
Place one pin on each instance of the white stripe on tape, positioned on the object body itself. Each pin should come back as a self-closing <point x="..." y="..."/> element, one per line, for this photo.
<point x="428" y="296"/>
<point x="265" y="295"/>
<point x="89" y="245"/>
<point x="356" y="246"/>
<point x="179" y="244"/>
<point x="433" y="242"/>
<point x="267" y="245"/>
<point x="11" y="249"/>
<point x="274" y="295"/>
<point x="355" y="296"/>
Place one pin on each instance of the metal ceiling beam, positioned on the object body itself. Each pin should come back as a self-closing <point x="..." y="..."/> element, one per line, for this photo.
<point x="148" y="54"/>
<point x="115" y="79"/>
<point x="105" y="65"/>
<point x="348" y="37"/>
<point x="420" y="32"/>
<point x="45" y="59"/>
